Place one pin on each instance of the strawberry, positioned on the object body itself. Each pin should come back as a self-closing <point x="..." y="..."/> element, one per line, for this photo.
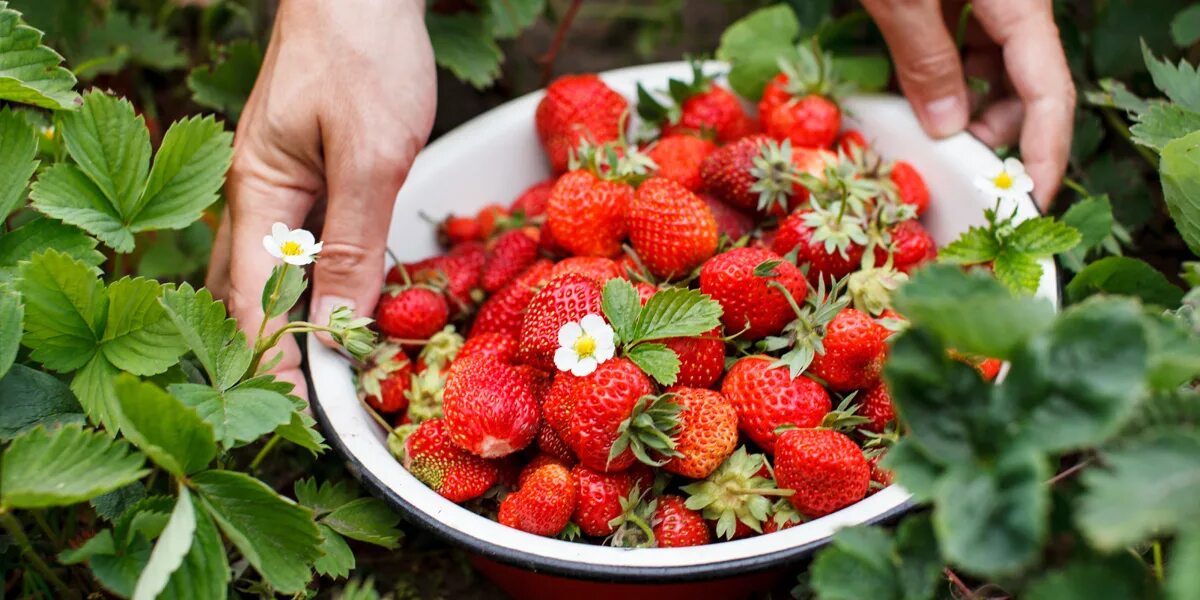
<point x="826" y="470"/>
<point x="801" y="232"/>
<point x="676" y="525"/>
<point x="549" y="442"/>
<point x="726" y="172"/>
<point x="603" y="401"/>
<point x="879" y="475"/>
<point x="855" y="346"/>
<point x="911" y="186"/>
<point x="735" y="496"/>
<point x="730" y="222"/>
<point x="510" y="255"/>
<point x="766" y="398"/>
<point x="559" y="403"/>
<point x="504" y="311"/>
<point x="701" y="359"/>
<point x="568" y="297"/>
<point x="911" y="246"/>
<point x="850" y="139"/>
<point x="575" y="108"/>
<point x="798" y="104"/>
<point x="532" y="202"/>
<point x="596" y="268"/>
<point x="670" y="228"/>
<point x="645" y="291"/>
<point x="412" y="313"/>
<point x="432" y="458"/>
<point x="586" y="214"/>
<point x="679" y="158"/>
<point x="707" y="432"/>
<point x="774" y="93"/>
<point x="876" y="404"/>
<point x="700" y="107"/>
<point x="783" y="516"/>
<point x="457" y="274"/>
<point x="490" y="218"/>
<point x="536" y="463"/>
<point x="543" y="504"/>
<point x="599" y="497"/>
<point x="496" y="346"/>
<point x="989" y="368"/>
<point x="386" y="378"/>
<point x="456" y="230"/>
<point x="491" y="408"/>
<point x="740" y="280"/>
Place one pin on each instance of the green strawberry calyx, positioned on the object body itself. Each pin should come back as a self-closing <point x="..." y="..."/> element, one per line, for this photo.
<point x="650" y="431"/>
<point x="734" y="493"/>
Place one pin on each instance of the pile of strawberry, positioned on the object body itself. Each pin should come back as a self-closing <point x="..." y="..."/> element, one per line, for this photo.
<point x="666" y="342"/>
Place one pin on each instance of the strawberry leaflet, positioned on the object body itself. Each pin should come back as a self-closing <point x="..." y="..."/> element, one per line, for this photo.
<point x="670" y="313"/>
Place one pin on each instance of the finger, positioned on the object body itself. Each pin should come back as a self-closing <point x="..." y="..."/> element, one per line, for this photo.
<point x="927" y="63"/>
<point x="1000" y="123"/>
<point x="1037" y="68"/>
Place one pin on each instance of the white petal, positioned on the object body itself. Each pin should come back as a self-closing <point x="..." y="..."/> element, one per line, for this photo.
<point x="568" y="334"/>
<point x="279" y="231"/>
<point x="299" y="260"/>
<point x="592" y="323"/>
<point x="565" y="359"/>
<point x="304" y="236"/>
<point x="272" y="247"/>
<point x="604" y="351"/>
<point x="316" y="248"/>
<point x="1023" y="182"/>
<point x="1013" y="167"/>
<point x="584" y="367"/>
<point x="985" y="185"/>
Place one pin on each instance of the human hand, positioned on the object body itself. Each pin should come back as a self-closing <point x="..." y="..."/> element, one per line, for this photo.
<point x="343" y="103"/>
<point x="1011" y="44"/>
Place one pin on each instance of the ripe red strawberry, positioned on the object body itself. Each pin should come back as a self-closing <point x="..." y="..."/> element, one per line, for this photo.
<point x="510" y="255"/>
<point x="645" y="291"/>
<point x="707" y="432"/>
<point x="699" y="107"/>
<point x="456" y="230"/>
<point x="495" y="346"/>
<point x="749" y="302"/>
<point x="670" y="228"/>
<point x="559" y="403"/>
<point x="457" y="274"/>
<point x="911" y="247"/>
<point x="826" y="469"/>
<point x="911" y="186"/>
<point x="544" y="502"/>
<point x="386" y="379"/>
<point x="447" y="469"/>
<point x="549" y="442"/>
<point x="989" y="368"/>
<point x="726" y="172"/>
<point x="413" y="313"/>
<point x="599" y="496"/>
<point x="679" y="158"/>
<point x="491" y="408"/>
<point x="731" y="222"/>
<point x="568" y="297"/>
<point x="586" y="214"/>
<point x="774" y="94"/>
<point x="850" y="139"/>
<point x="855" y="347"/>
<point x="766" y="398"/>
<point x="798" y="231"/>
<point x="532" y="202"/>
<point x="880" y="475"/>
<point x="676" y="526"/>
<point x="810" y="121"/>
<point x="490" y="217"/>
<point x="577" y="107"/>
<point x="602" y="401"/>
<point x="596" y="268"/>
<point x="504" y="311"/>
<point x="783" y="516"/>
<point x="536" y="463"/>
<point x="701" y="359"/>
<point x="876" y="404"/>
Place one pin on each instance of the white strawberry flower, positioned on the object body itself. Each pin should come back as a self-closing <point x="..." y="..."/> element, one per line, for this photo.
<point x="584" y="345"/>
<point x="294" y="246"/>
<point x="1011" y="183"/>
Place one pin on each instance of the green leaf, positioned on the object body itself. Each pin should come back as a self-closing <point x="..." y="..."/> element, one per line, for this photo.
<point x="238" y="415"/>
<point x="913" y="468"/>
<point x="205" y="570"/>
<point x="174" y="542"/>
<point x="170" y="433"/>
<point x="949" y="302"/>
<point x="1146" y="489"/>
<point x="12" y="315"/>
<point x="42" y="234"/>
<point x="138" y="336"/>
<point x="366" y="520"/>
<point x="463" y="43"/>
<point x="754" y="44"/>
<point x="189" y="170"/>
<point x="97" y="545"/>
<point x="1093" y="218"/>
<point x="65" y="193"/>
<point x="976" y="245"/>
<point x="920" y="567"/>
<point x="1043" y="236"/>
<point x="112" y="505"/>
<point x="991" y="519"/>
<point x="225" y="85"/>
<point x="677" y="312"/>
<point x="278" y="537"/>
<point x="1125" y="276"/>
<point x="111" y="145"/>
<point x="858" y="564"/>
<point x="290" y="288"/>
<point x="18" y="153"/>
<point x="1183" y="569"/>
<point x="1180" y="173"/>
<point x="1095" y="579"/>
<point x="510" y="17"/>
<point x="1019" y="271"/>
<point x="215" y="339"/>
<point x="323" y="498"/>
<point x="29" y="397"/>
<point x="1185" y="27"/>
<point x="119" y="572"/>
<point x="301" y="431"/>
<point x="621" y="306"/>
<point x="359" y="590"/>
<point x="337" y="558"/>
<point x="1120" y="23"/>
<point x="1089" y="133"/>
<point x="1174" y="352"/>
<point x="1115" y="94"/>
<point x="93" y="386"/>
<point x="868" y="73"/>
<point x="65" y="308"/>
<point x="1181" y="82"/>
<point x="123" y="38"/>
<point x="65" y="466"/>
<point x="1161" y="123"/>
<point x="657" y="360"/>
<point x="30" y="73"/>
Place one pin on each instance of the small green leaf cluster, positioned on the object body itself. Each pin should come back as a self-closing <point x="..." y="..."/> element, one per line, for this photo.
<point x="669" y="313"/>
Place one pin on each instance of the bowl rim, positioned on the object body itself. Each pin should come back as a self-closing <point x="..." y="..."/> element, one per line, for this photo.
<point x="570" y="567"/>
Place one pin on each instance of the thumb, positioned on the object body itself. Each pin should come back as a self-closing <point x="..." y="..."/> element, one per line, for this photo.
<point x="927" y="62"/>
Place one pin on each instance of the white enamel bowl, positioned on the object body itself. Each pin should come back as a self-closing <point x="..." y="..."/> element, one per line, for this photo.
<point x="492" y="159"/>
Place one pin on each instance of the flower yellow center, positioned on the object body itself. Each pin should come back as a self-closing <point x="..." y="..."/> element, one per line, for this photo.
<point x="585" y="346"/>
<point x="1003" y="180"/>
<point x="291" y="249"/>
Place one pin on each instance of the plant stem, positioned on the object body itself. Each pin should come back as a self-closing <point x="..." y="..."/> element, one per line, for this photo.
<point x="1076" y="186"/>
<point x="560" y="36"/>
<point x="263" y="452"/>
<point x="1158" y="560"/>
<point x="958" y="583"/>
<point x="262" y="328"/>
<point x="39" y="518"/>
<point x="763" y="491"/>
<point x="1115" y="121"/>
<point x="13" y="526"/>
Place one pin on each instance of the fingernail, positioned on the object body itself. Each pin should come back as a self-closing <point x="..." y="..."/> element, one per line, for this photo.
<point x="946" y="116"/>
<point x="327" y="304"/>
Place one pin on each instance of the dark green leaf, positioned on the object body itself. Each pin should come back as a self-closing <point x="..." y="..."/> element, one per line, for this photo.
<point x="754" y="44"/>
<point x="301" y="431"/>
<point x="657" y="360"/>
<point x="1093" y="218"/>
<point x="93" y="386"/>
<point x="1180" y="173"/>
<point x="913" y="468"/>
<point x="215" y="339"/>
<point x="118" y="572"/>
<point x="238" y="415"/>
<point x="123" y="38"/>
<point x="1180" y="82"/>
<point x="30" y="73"/>
<point x="138" y="336"/>
<point x="868" y="73"/>
<point x="65" y="309"/>
<point x="920" y="566"/>
<point x="225" y="85"/>
<point x="113" y="504"/>
<point x="1183" y="569"/>
<point x="1119" y="24"/>
<point x="1122" y="180"/>
<point x="289" y="289"/>
<point x="1125" y="276"/>
<point x="337" y="559"/>
<point x="1185" y="30"/>
<point x="677" y="312"/>
<point x="1089" y="132"/>
<point x="621" y="307"/>
<point x="1161" y="123"/>
<point x="1095" y="579"/>
<point x="29" y="397"/>
<point x="170" y="433"/>
<point x="1174" y="352"/>
<point x="12" y="316"/>
<point x="325" y="497"/>
<point x="41" y="234"/>
<point x="97" y="545"/>
<point x="18" y="151"/>
<point x="463" y="43"/>
<point x="111" y="145"/>
<point x="66" y="466"/>
<point x="366" y="520"/>
<point x="189" y="170"/>
<point x="858" y="564"/>
<point x="510" y="17"/>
